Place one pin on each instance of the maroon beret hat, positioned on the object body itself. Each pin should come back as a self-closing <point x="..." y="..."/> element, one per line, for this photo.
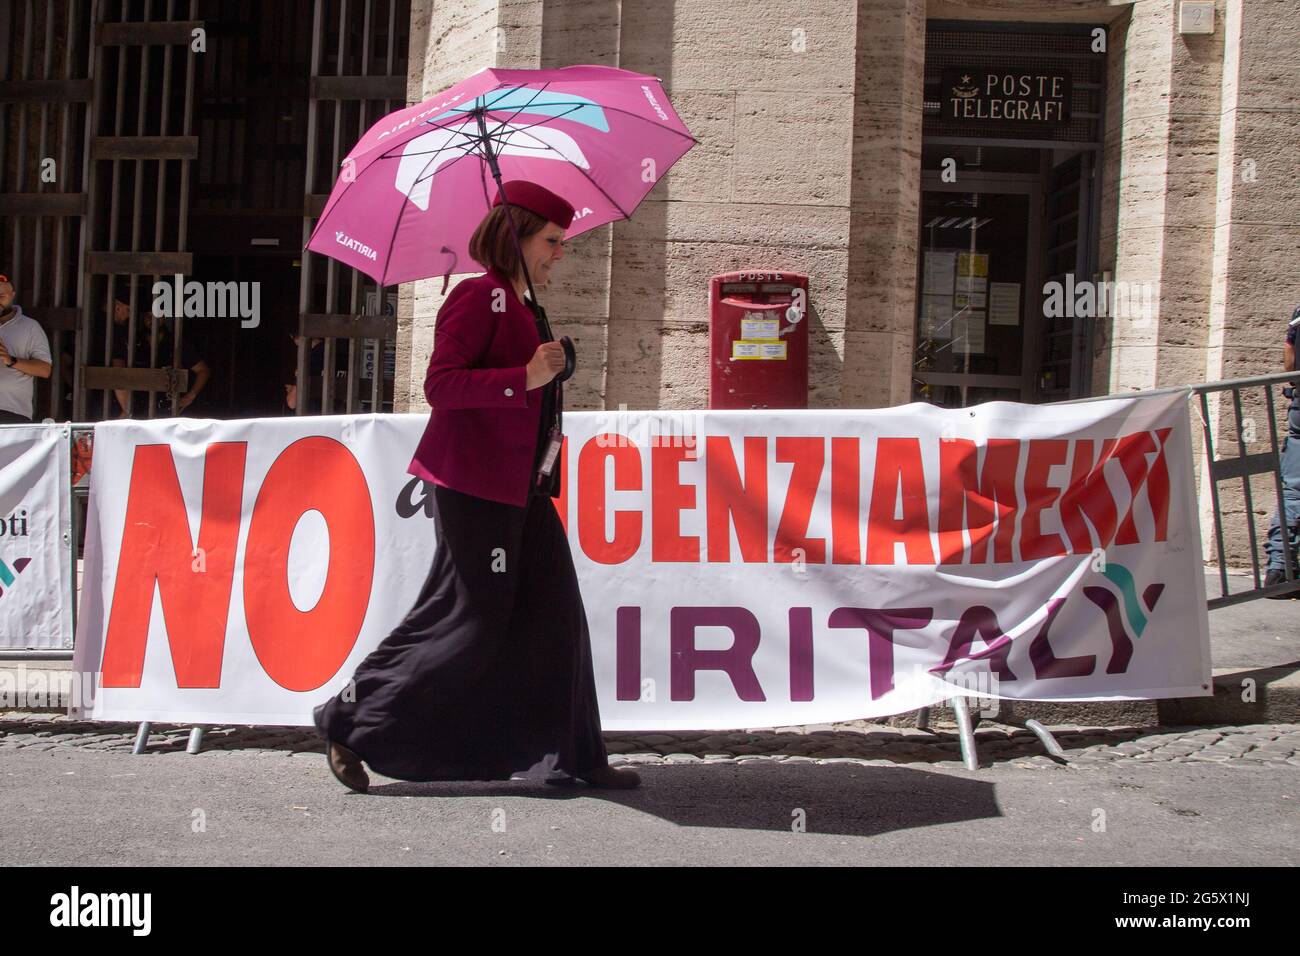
<point x="538" y="199"/>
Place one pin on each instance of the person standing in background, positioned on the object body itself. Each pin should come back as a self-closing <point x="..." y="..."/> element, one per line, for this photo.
<point x="133" y="403"/>
<point x="24" y="357"/>
<point x="184" y="356"/>
<point x="1273" y="548"/>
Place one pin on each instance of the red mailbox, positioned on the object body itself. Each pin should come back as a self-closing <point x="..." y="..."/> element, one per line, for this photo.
<point x="758" y="345"/>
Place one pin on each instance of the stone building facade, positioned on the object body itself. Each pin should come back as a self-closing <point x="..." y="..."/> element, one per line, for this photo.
<point x="947" y="173"/>
<point x="823" y="142"/>
<point x="811" y="126"/>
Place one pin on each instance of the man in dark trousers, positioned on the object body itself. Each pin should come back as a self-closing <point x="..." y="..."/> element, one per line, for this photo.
<point x="1290" y="477"/>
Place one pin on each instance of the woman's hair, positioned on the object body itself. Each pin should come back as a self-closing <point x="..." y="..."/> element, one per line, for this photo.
<point x="493" y="245"/>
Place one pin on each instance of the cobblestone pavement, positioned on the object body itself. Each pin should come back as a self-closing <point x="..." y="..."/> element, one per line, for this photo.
<point x="1255" y="745"/>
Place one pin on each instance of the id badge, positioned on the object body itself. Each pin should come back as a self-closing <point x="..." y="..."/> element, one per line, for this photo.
<point x="554" y="441"/>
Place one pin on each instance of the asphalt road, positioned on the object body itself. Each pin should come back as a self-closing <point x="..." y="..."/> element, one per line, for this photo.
<point x="78" y="807"/>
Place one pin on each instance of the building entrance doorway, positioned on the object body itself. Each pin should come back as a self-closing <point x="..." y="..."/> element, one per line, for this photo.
<point x="991" y="243"/>
<point x="979" y="260"/>
<point x="196" y="139"/>
<point x="1011" y="139"/>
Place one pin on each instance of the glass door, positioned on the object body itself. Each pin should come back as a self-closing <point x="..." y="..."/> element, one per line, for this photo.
<point x="979" y="258"/>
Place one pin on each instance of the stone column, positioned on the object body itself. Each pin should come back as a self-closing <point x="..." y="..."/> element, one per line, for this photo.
<point x="767" y="88"/>
<point x="1256" y="223"/>
<point x="453" y="41"/>
<point x="577" y="297"/>
<point x="450" y="41"/>
<point x="880" y="314"/>
<point x="1167" y="121"/>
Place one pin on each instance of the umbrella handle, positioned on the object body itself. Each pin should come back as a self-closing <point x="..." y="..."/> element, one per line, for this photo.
<point x="570" y="359"/>
<point x="544" y="327"/>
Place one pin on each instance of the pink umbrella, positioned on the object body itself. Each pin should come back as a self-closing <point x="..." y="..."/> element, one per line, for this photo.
<point x="412" y="190"/>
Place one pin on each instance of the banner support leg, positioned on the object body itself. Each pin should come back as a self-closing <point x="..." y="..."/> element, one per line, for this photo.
<point x="1050" y="742"/>
<point x="965" y="732"/>
<point x="196" y="740"/>
<point x="923" y="719"/>
<point x="141" y="738"/>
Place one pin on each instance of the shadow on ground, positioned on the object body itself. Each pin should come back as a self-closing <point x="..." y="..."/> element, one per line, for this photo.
<point x="832" y="799"/>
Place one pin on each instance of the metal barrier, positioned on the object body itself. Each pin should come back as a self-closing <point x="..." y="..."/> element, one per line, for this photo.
<point x="79" y="433"/>
<point x="1242" y="466"/>
<point x="82" y="437"/>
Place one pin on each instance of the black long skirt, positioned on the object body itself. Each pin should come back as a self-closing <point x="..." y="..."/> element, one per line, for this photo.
<point x="490" y="674"/>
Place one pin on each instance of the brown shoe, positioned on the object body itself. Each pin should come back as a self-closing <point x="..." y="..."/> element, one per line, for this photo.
<point x="346" y="767"/>
<point x="611" y="777"/>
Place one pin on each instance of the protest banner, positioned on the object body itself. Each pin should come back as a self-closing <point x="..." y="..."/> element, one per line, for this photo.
<point x="35" y="538"/>
<point x="739" y="569"/>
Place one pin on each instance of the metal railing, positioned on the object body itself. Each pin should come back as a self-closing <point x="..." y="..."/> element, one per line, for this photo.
<point x="1240" y="467"/>
<point x="1243" y="466"/>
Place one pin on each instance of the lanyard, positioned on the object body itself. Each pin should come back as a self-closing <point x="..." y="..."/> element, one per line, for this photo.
<point x="550" y="434"/>
<point x="544" y="333"/>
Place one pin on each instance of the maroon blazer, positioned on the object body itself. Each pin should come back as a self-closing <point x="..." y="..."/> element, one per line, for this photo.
<point x="481" y="438"/>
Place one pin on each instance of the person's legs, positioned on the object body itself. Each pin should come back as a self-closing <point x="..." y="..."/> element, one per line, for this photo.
<point x="561" y="652"/>
<point x="1273" y="547"/>
<point x="441" y="650"/>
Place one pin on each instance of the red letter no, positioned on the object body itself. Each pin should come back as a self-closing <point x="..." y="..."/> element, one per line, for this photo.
<point x="301" y="650"/>
<point x="157" y="549"/>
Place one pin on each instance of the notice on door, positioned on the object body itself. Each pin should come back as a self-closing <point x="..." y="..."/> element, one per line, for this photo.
<point x="968" y="333"/>
<point x="1004" y="303"/>
<point x="975" y="264"/>
<point x="940" y="268"/>
<point x="936" y="317"/>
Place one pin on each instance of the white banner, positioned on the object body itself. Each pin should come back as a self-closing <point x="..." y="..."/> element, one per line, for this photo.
<point x="35" y="538"/>
<point x="739" y="569"/>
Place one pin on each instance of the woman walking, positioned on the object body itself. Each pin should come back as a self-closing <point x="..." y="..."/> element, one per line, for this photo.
<point x="490" y="676"/>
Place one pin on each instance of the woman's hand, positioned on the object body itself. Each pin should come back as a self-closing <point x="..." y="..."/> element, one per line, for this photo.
<point x="547" y="362"/>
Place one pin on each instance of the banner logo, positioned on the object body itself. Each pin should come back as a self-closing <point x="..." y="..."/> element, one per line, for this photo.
<point x="8" y="575"/>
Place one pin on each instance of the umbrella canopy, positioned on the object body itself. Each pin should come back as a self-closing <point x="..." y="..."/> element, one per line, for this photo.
<point x="412" y="190"/>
